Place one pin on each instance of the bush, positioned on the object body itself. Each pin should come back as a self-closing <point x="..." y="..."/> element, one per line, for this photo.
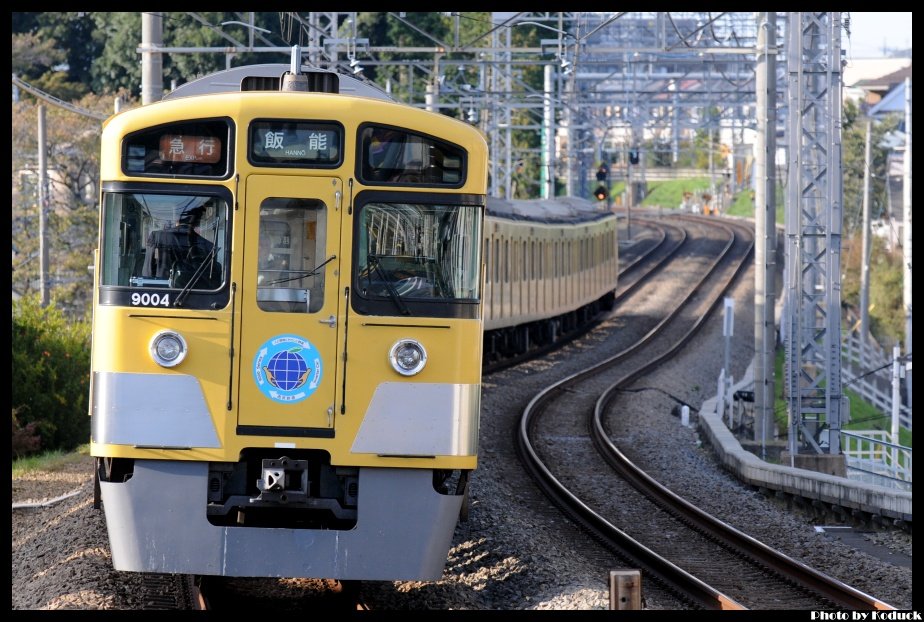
<point x="51" y="374"/>
<point x="886" y="313"/>
<point x="886" y="280"/>
<point x="25" y="439"/>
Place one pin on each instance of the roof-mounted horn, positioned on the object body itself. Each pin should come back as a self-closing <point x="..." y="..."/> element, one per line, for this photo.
<point x="294" y="79"/>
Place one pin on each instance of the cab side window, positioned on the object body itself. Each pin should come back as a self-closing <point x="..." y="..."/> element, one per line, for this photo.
<point x="394" y="156"/>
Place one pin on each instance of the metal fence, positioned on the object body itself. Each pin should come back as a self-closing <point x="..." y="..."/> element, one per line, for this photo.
<point x="857" y="362"/>
<point x="870" y="452"/>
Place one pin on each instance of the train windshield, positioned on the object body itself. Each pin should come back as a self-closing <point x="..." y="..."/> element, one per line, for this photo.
<point x="153" y="240"/>
<point x="411" y="252"/>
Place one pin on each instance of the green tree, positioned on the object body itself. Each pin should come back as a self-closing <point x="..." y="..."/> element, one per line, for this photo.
<point x="98" y="51"/>
<point x="30" y="52"/>
<point x="182" y="30"/>
<point x="885" y="294"/>
<point x="72" y="152"/>
<point x="886" y="315"/>
<point x="408" y="82"/>
<point x="53" y="51"/>
<point x="117" y="62"/>
<point x="853" y="161"/>
<point x="76" y="36"/>
<point x="887" y="319"/>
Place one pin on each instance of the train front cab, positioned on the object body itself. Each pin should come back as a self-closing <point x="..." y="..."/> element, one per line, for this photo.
<point x="324" y="417"/>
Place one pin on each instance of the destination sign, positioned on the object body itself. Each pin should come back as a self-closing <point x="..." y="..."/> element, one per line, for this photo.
<point x="296" y="143"/>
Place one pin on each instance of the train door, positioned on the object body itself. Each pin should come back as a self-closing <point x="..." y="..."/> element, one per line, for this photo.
<point x="289" y="306"/>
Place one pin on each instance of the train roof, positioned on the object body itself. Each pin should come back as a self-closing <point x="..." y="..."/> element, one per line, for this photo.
<point x="557" y="210"/>
<point x="267" y="77"/>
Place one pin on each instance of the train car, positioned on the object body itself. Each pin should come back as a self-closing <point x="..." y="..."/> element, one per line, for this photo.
<point x="286" y="371"/>
<point x="551" y="266"/>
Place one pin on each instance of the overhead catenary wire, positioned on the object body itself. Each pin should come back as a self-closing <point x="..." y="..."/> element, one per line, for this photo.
<point x="58" y="102"/>
<point x="900" y="359"/>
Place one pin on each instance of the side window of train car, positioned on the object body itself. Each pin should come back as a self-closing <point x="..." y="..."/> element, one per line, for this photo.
<point x="292" y="253"/>
<point x="395" y="156"/>
<point x="497" y="260"/>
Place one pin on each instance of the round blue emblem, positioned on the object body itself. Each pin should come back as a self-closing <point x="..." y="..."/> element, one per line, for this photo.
<point x="287" y="369"/>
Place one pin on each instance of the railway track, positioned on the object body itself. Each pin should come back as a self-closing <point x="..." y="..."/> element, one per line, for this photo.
<point x="691" y="586"/>
<point x="649" y="262"/>
<point x="210" y="593"/>
<point x="172" y="592"/>
<point x="282" y="595"/>
<point x="702" y="561"/>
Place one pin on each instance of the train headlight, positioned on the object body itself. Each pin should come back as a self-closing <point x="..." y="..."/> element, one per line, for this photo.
<point x="168" y="348"/>
<point x="408" y="357"/>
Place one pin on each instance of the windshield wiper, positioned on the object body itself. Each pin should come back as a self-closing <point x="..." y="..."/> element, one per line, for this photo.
<point x="206" y="263"/>
<point x="314" y="271"/>
<point x="392" y="292"/>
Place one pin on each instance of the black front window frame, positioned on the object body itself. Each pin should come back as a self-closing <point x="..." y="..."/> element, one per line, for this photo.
<point x="208" y="143"/>
<point x="295" y="143"/>
<point x="131" y="272"/>
<point x="394" y="156"/>
<point x="417" y="254"/>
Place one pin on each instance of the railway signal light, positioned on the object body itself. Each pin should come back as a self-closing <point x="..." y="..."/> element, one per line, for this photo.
<point x="600" y="193"/>
<point x="601" y="173"/>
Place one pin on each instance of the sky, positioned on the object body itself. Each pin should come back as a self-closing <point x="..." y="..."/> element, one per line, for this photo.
<point x="868" y="32"/>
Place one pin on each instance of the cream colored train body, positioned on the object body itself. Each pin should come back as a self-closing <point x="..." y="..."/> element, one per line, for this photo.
<point x="551" y="266"/>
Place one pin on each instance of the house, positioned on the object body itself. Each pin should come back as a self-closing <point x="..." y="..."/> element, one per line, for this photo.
<point x="865" y="79"/>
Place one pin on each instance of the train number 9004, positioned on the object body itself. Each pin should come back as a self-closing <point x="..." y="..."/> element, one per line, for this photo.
<point x="150" y="300"/>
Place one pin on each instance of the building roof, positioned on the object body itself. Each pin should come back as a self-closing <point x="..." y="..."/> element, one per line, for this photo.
<point x="858" y="69"/>
<point x="893" y="101"/>
<point x="884" y="83"/>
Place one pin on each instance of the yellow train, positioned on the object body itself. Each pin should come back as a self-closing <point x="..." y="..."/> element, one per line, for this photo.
<point x="289" y="308"/>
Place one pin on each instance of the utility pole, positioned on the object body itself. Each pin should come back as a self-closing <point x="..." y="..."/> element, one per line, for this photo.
<point x="765" y="230"/>
<point x="630" y="188"/>
<point x="864" y="260"/>
<point x="546" y="173"/>
<point x="152" y="63"/>
<point x="42" y="206"/>
<point x="896" y="399"/>
<point x="813" y="231"/>
<point x="906" y="231"/>
<point x="712" y="189"/>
